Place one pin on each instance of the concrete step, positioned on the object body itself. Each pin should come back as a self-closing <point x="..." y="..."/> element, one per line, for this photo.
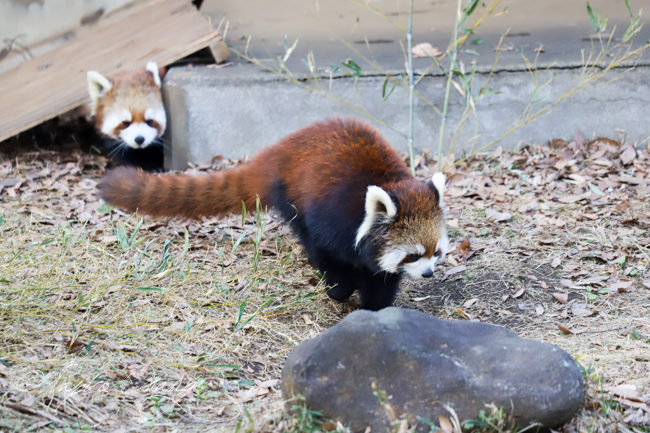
<point x="236" y="110"/>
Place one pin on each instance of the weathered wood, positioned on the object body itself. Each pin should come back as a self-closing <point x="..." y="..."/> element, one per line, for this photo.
<point x="40" y="89"/>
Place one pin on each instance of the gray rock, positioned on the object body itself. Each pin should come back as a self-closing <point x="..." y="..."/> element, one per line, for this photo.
<point x="423" y="363"/>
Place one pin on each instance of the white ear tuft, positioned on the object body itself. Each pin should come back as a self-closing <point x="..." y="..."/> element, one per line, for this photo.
<point x="439" y="180"/>
<point x="98" y="85"/>
<point x="378" y="202"/>
<point x="153" y="68"/>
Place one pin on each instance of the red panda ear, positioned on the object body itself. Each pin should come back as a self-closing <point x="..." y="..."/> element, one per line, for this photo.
<point x="378" y="204"/>
<point x="98" y="85"/>
<point x="438" y="181"/>
<point x="152" y="68"/>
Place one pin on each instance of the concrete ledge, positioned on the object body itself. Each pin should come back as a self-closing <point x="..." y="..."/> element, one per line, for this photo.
<point x="236" y="111"/>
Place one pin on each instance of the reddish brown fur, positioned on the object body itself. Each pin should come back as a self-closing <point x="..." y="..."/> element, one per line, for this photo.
<point x="309" y="162"/>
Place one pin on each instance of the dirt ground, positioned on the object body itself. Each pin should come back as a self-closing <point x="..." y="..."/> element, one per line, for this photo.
<point x="115" y="323"/>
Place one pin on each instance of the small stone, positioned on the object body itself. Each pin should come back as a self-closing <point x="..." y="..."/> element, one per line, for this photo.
<point x="423" y="363"/>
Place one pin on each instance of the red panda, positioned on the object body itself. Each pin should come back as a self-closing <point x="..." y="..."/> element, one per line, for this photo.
<point x="129" y="111"/>
<point x="363" y="219"/>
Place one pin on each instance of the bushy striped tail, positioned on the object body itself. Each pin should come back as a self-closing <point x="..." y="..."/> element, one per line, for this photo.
<point x="182" y="195"/>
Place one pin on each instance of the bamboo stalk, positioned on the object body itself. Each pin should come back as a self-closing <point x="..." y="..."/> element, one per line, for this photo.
<point x="409" y="43"/>
<point x="445" y="108"/>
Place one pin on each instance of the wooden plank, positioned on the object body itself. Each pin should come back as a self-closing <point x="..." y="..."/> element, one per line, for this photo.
<point x="40" y="89"/>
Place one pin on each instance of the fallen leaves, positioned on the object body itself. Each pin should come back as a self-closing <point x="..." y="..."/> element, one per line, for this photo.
<point x="581" y="310"/>
<point x="620" y="286"/>
<point x="496" y="216"/>
<point x="454" y="271"/>
<point x="562" y="298"/>
<point x="463" y="248"/>
<point x="425" y="49"/>
<point x="445" y="424"/>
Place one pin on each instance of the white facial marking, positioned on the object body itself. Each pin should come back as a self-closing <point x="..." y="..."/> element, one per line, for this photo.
<point x="374" y="197"/>
<point x="157" y="114"/>
<point x="443" y="246"/>
<point x="111" y="121"/>
<point x="135" y="130"/>
<point x="439" y="180"/>
<point x="391" y="260"/>
<point x="153" y="68"/>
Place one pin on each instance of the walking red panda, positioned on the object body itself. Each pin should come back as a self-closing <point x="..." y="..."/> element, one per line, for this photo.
<point x="129" y="111"/>
<point x="348" y="196"/>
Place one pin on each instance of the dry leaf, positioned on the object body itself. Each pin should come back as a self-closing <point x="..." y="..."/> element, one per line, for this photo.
<point x="445" y="425"/>
<point x="572" y="198"/>
<point x="562" y="298"/>
<point x="581" y="310"/>
<point x="453" y="271"/>
<point x="556" y="262"/>
<point x="306" y="319"/>
<point x="564" y="329"/>
<point x="270" y="383"/>
<point x="451" y="260"/>
<point x="422" y="298"/>
<point x="519" y="293"/>
<point x="463" y="248"/>
<point x="328" y="426"/>
<point x="621" y="286"/>
<point x="577" y="178"/>
<point x="504" y="312"/>
<point x="75" y="346"/>
<point x="453" y="223"/>
<point x="628" y="156"/>
<point x="496" y="216"/>
<point x="28" y="401"/>
<point x="629" y="392"/>
<point x="623" y="206"/>
<point x="425" y="49"/>
<point x="469" y="303"/>
<point x="591" y="280"/>
<point x="539" y="310"/>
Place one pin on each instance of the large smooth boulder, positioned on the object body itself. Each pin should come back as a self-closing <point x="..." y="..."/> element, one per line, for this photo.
<point x="423" y="363"/>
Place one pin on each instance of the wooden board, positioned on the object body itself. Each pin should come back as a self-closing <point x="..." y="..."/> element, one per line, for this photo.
<point x="40" y="89"/>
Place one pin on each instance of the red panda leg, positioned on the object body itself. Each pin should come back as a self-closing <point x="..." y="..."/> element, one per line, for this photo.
<point x="340" y="278"/>
<point x="378" y="291"/>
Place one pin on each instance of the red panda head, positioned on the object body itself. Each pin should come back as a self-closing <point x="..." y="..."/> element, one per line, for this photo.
<point x="404" y="226"/>
<point x="128" y="107"/>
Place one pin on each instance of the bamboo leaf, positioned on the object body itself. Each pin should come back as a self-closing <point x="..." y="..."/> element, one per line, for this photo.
<point x="241" y="238"/>
<point x="592" y="18"/>
<point x="385" y="96"/>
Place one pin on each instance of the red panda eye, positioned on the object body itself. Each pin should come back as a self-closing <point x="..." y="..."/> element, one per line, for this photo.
<point x="149" y="122"/>
<point x="126" y="123"/>
<point x="414" y="257"/>
<point x="438" y="253"/>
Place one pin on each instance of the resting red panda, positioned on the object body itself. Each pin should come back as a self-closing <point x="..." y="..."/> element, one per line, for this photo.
<point x="128" y="110"/>
<point x="348" y="196"/>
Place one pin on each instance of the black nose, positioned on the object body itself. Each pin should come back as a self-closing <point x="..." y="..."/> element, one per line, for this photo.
<point x="428" y="274"/>
<point x="139" y="139"/>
